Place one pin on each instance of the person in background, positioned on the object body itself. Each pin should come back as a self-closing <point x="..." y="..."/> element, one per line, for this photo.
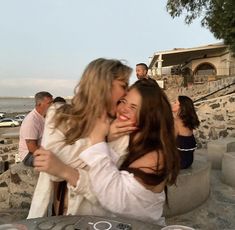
<point x="137" y="191"/>
<point x="186" y="120"/>
<point x="141" y="71"/>
<point x="31" y="129"/>
<point x="59" y="99"/>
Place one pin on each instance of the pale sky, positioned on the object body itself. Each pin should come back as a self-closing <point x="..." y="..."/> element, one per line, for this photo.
<point x="46" y="44"/>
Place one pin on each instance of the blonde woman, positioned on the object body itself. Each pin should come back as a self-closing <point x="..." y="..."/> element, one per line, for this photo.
<point x="67" y="127"/>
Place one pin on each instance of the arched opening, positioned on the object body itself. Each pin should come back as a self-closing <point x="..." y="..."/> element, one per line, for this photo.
<point x="205" y="69"/>
<point x="204" y="72"/>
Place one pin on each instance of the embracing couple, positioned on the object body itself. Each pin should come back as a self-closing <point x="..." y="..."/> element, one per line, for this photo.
<point x="113" y="148"/>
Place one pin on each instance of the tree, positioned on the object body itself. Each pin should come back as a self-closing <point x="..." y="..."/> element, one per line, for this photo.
<point x="217" y="15"/>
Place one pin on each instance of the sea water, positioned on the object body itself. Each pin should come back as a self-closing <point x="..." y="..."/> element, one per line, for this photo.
<point x="12" y="105"/>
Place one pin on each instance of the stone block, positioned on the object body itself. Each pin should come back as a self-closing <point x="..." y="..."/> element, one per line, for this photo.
<point x="191" y="190"/>
<point x="228" y="168"/>
<point x="20" y="182"/>
<point x="4" y="198"/>
<point x="217" y="148"/>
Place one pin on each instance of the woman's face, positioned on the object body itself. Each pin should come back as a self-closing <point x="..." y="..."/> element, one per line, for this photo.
<point x="129" y="107"/>
<point x="119" y="89"/>
<point x="175" y="106"/>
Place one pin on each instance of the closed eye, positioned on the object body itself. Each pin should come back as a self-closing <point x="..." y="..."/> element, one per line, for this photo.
<point x="123" y="101"/>
<point x="133" y="106"/>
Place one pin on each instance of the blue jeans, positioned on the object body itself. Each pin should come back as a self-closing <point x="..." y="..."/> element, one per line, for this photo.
<point x="28" y="160"/>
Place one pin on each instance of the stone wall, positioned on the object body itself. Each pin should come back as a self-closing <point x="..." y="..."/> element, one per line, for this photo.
<point x="216" y="114"/>
<point x="17" y="181"/>
<point x="8" y="150"/>
<point x="197" y="91"/>
<point x="217" y="117"/>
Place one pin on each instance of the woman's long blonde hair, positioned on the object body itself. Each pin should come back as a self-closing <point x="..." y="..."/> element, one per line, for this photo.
<point x="92" y="96"/>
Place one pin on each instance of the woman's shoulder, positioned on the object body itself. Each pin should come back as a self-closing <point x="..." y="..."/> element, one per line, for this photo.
<point x="151" y="167"/>
<point x="149" y="161"/>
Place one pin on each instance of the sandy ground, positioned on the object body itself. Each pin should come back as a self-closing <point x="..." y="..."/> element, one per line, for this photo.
<point x="4" y="130"/>
<point x="11" y="133"/>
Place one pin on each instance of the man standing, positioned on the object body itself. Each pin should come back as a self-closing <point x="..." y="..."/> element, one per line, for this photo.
<point x="32" y="127"/>
<point x="141" y="70"/>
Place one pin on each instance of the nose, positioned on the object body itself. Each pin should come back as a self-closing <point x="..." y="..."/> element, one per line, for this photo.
<point x="124" y="108"/>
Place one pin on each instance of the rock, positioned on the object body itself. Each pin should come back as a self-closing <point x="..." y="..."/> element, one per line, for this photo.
<point x="17" y="186"/>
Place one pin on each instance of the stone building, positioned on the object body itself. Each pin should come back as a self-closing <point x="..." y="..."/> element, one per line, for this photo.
<point x="193" y="65"/>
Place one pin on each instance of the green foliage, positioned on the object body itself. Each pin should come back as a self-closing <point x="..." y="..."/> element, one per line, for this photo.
<point x="217" y="15"/>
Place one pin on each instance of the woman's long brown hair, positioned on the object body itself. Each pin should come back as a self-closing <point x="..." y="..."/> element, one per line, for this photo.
<point x="187" y="113"/>
<point x="155" y="129"/>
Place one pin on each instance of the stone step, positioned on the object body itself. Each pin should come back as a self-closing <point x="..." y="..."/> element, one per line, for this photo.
<point x="228" y="168"/>
<point x="217" y="148"/>
<point x="191" y="190"/>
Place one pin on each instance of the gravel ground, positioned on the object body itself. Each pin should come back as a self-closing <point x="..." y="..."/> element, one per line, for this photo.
<point x="217" y="213"/>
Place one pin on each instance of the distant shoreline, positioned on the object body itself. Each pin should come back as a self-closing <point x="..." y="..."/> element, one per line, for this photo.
<point x="22" y="97"/>
<point x="29" y="97"/>
<point x="18" y="104"/>
<point x="13" y="114"/>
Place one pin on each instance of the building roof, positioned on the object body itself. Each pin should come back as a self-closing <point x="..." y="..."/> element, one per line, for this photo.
<point x="183" y="55"/>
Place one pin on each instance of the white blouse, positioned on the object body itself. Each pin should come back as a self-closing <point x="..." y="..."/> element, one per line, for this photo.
<point x="118" y="191"/>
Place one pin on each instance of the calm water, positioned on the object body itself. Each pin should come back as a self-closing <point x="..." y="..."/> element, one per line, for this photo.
<point x="11" y="105"/>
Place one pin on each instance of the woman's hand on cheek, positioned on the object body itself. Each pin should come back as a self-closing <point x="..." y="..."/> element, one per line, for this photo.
<point x="120" y="128"/>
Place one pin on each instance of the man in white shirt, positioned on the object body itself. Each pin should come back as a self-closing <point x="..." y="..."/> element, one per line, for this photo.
<point x="32" y="127"/>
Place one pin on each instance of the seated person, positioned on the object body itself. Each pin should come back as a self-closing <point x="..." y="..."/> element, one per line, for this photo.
<point x="186" y="120"/>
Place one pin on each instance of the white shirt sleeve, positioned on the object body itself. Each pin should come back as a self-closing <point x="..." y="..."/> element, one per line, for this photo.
<point x="118" y="191"/>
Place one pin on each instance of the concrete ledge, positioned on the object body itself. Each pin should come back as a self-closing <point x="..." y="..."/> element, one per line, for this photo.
<point x="216" y="149"/>
<point x="191" y="190"/>
<point x="228" y="168"/>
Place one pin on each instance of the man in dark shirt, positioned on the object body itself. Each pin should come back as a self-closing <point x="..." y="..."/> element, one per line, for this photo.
<point x="141" y="70"/>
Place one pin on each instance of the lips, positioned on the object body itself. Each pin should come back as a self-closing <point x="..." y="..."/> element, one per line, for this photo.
<point x="122" y="117"/>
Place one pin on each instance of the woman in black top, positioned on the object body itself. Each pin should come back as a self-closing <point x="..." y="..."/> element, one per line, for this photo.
<point x="186" y="120"/>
